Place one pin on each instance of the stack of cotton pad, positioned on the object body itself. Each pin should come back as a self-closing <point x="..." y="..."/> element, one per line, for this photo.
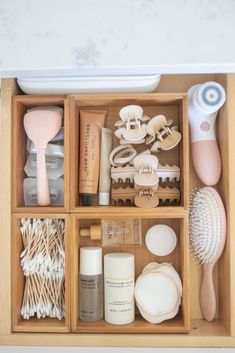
<point x="158" y="292"/>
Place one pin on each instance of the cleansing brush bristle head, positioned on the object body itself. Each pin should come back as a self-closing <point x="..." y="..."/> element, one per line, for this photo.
<point x="209" y="97"/>
<point x="206" y="225"/>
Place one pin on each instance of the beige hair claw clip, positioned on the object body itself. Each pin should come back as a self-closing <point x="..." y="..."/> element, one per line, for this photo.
<point x="132" y="126"/>
<point x="147" y="171"/>
<point x="160" y="132"/>
<point x="145" y="198"/>
<point x="126" y="173"/>
<point x="146" y="181"/>
<point x="143" y="177"/>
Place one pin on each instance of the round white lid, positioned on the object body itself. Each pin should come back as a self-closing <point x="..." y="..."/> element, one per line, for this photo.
<point x="90" y="260"/>
<point x="161" y="240"/>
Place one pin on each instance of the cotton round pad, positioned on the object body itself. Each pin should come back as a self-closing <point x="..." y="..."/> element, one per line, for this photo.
<point x="161" y="240"/>
<point x="167" y="268"/>
<point x="159" y="318"/>
<point x="156" y="293"/>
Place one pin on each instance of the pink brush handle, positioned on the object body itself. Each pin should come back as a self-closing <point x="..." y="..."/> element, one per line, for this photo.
<point x="208" y="299"/>
<point x="43" y="196"/>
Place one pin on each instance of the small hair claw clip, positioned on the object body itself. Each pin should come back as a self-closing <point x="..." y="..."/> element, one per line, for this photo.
<point x="161" y="134"/>
<point x="147" y="171"/>
<point x="132" y="126"/>
<point x="126" y="173"/>
<point x="145" y="197"/>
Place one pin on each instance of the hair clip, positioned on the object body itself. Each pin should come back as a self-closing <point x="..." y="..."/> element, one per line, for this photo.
<point x="146" y="193"/>
<point x="122" y="155"/>
<point x="125" y="142"/>
<point x="126" y="173"/>
<point x="131" y="127"/>
<point x="160" y="132"/>
<point x="147" y="171"/>
<point x="146" y="198"/>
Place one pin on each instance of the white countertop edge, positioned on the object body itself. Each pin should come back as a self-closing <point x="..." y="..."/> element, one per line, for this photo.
<point x="119" y="70"/>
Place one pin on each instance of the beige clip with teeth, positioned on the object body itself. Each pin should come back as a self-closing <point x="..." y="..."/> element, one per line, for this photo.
<point x="144" y="197"/>
<point x="159" y="130"/>
<point x="147" y="171"/>
<point x="146" y="192"/>
<point x="125" y="173"/>
<point x="146" y="181"/>
<point x="131" y="127"/>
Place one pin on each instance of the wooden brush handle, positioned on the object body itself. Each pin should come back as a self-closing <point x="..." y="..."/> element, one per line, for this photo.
<point x="208" y="299"/>
<point x="43" y="196"/>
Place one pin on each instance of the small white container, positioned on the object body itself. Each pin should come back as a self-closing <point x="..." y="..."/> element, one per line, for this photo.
<point x="119" y="275"/>
<point x="161" y="240"/>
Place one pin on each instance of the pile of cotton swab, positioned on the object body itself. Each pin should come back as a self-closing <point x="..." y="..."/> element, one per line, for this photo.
<point x="43" y="264"/>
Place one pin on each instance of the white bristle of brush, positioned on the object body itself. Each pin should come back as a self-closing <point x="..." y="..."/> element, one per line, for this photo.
<point x="204" y="225"/>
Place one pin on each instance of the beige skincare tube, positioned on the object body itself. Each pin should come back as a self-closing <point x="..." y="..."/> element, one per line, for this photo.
<point x="105" y="167"/>
<point x="91" y="123"/>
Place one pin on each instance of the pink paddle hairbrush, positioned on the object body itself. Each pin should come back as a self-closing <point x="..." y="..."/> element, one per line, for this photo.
<point x="207" y="237"/>
<point x="41" y="126"/>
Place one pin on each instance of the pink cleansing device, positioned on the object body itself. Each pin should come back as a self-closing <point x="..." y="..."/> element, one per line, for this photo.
<point x="205" y="100"/>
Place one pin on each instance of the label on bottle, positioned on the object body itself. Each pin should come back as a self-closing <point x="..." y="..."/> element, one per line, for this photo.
<point x="119" y="300"/>
<point x="91" y="297"/>
<point x="121" y="232"/>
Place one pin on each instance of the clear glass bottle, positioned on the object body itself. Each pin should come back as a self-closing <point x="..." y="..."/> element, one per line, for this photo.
<point x="121" y="232"/>
<point x="115" y="232"/>
<point x="91" y="284"/>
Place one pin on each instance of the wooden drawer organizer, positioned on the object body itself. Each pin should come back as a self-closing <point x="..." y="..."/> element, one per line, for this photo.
<point x="174" y="106"/>
<point x="19" y="152"/>
<point x="13" y="330"/>
<point x="179" y="259"/>
<point x="18" y="281"/>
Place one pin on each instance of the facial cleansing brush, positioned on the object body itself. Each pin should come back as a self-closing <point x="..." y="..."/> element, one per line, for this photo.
<point x="205" y="100"/>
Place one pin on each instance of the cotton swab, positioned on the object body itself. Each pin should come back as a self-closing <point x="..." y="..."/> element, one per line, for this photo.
<point x="43" y="264"/>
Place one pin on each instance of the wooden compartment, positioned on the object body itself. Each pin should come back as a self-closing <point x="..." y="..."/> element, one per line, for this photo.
<point x="173" y="106"/>
<point x="220" y="332"/>
<point x="18" y="281"/>
<point x="20" y="154"/>
<point x="179" y="258"/>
